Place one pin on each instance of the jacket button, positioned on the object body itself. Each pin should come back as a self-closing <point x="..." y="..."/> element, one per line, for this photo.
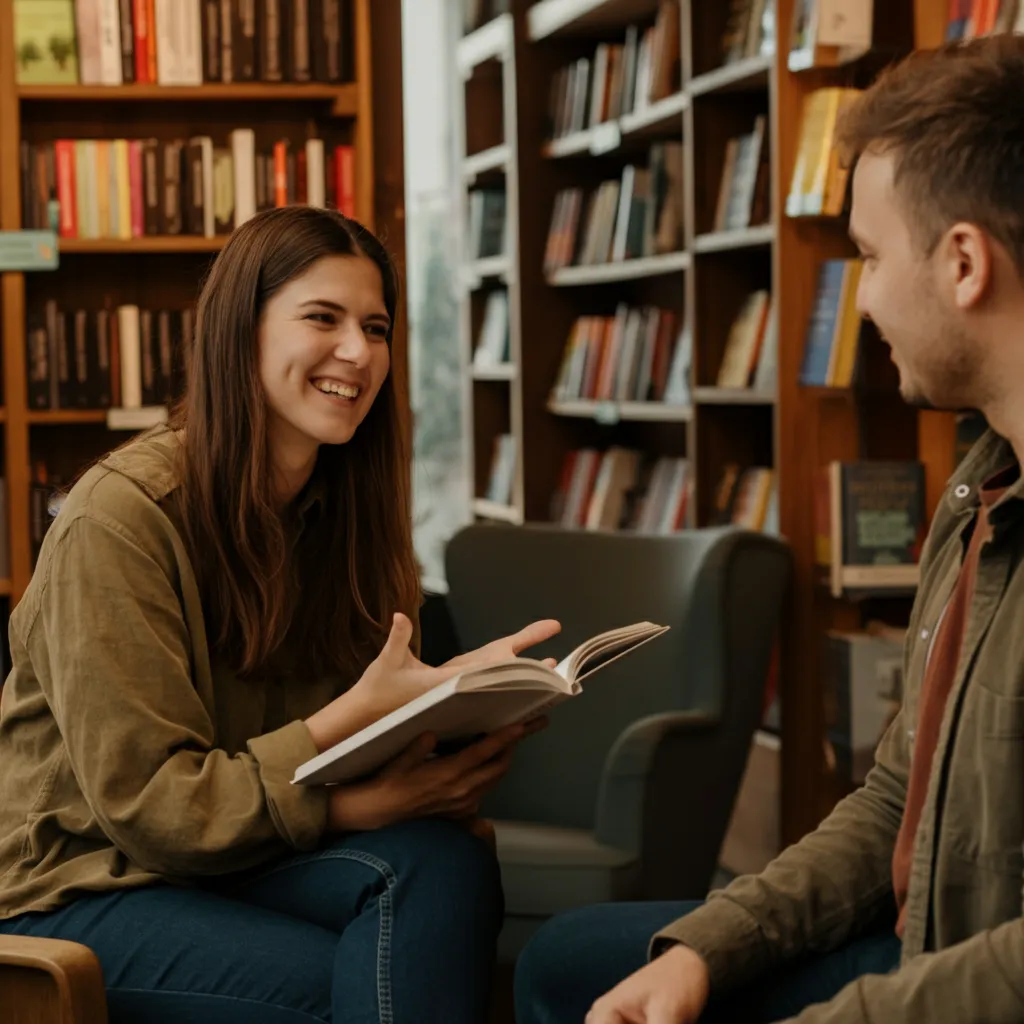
<point x="962" y="491"/>
<point x="925" y="634"/>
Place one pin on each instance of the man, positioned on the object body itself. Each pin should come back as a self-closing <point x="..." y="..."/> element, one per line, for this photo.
<point x="906" y="904"/>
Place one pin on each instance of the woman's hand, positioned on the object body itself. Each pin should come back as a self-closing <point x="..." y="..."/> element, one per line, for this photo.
<point x="396" y="677"/>
<point x="412" y="786"/>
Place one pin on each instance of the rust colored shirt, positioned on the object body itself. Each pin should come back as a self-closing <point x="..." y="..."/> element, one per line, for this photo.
<point x="938" y="681"/>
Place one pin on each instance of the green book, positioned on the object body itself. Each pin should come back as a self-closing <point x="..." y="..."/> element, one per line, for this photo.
<point x="44" y="42"/>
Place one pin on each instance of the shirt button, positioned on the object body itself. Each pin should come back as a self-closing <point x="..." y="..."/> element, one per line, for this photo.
<point x="925" y="634"/>
<point x="962" y="491"/>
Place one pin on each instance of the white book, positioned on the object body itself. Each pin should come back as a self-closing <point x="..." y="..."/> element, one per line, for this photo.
<point x="179" y="42"/>
<point x="315" y="177"/>
<point x="209" y="218"/>
<point x="243" y="153"/>
<point x="110" y="42"/>
<point x="473" y="704"/>
<point x="131" y="357"/>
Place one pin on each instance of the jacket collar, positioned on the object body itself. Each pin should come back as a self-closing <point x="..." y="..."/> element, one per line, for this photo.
<point x="990" y="454"/>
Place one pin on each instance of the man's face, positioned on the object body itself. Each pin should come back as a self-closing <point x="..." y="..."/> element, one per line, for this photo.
<point x="905" y="292"/>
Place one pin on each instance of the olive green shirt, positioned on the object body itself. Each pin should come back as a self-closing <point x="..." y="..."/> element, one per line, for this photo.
<point x="963" y="942"/>
<point x="129" y="753"/>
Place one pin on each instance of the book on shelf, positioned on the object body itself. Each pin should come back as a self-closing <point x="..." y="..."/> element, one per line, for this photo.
<point x="135" y="188"/>
<point x="749" y="32"/>
<point x="863" y="690"/>
<point x="492" y="346"/>
<point x="619" y="78"/>
<point x="503" y="470"/>
<point x="830" y="33"/>
<point x="474" y="703"/>
<point x="631" y="217"/>
<point x="745" y="346"/>
<point x="869" y="524"/>
<point x="114" y="357"/>
<point x="744" y="193"/>
<point x="820" y="178"/>
<point x="832" y="346"/>
<point x="969" y="19"/>
<point x="487" y="223"/>
<point x="746" y="498"/>
<point x="183" y="42"/>
<point x="622" y="489"/>
<point x="637" y="355"/>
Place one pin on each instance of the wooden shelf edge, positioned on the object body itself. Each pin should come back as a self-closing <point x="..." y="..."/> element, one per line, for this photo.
<point x="750" y="73"/>
<point x="611" y="412"/>
<point x="494" y="159"/>
<point x="548" y="18"/>
<point x="499" y="513"/>
<point x="342" y="96"/>
<point x="501" y="372"/>
<point x="65" y="417"/>
<point x="145" y="244"/>
<point x="727" y="241"/>
<point x="492" y="41"/>
<point x="624" y="270"/>
<point x="732" y="396"/>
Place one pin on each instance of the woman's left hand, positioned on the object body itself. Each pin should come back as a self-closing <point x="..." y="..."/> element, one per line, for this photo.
<point x="508" y="646"/>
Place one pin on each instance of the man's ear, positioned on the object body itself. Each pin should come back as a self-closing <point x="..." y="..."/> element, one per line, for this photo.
<point x="967" y="257"/>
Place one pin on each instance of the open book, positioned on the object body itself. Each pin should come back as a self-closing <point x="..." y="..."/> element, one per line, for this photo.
<point x="474" y="703"/>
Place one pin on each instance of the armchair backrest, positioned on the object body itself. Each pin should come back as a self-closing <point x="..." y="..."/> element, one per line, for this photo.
<point x="702" y="583"/>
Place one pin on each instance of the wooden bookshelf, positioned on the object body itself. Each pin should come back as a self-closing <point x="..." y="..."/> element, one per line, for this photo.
<point x="791" y="429"/>
<point x="166" y="270"/>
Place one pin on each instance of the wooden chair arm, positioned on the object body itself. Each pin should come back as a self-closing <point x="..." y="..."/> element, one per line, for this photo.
<point x="44" y="980"/>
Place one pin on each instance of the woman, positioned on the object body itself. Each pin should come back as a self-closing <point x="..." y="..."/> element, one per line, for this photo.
<point x="216" y="603"/>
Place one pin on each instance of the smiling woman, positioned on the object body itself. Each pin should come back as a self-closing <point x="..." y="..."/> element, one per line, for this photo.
<point x="219" y="601"/>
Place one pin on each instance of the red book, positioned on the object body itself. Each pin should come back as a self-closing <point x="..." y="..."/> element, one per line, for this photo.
<point x="64" y="156"/>
<point x="345" y="179"/>
<point x="281" y="173"/>
<point x="141" y="18"/>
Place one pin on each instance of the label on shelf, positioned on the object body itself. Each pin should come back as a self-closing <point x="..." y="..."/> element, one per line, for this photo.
<point x="605" y="137"/>
<point x="28" y="250"/>
<point x="607" y="413"/>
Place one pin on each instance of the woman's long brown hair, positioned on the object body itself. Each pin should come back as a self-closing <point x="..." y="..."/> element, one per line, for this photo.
<point x="333" y="594"/>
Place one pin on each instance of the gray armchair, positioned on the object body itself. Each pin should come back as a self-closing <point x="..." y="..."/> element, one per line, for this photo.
<point x="628" y="793"/>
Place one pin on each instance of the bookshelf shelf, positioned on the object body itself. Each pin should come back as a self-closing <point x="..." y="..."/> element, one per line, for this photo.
<point x="492" y="41"/>
<point x="614" y="412"/>
<point x="344" y="98"/>
<point x="490" y="160"/>
<point x="477" y="271"/>
<point x="656" y="119"/>
<point x="5" y="588"/>
<point x="65" y="417"/>
<point x="498" y="513"/>
<point x="145" y="244"/>
<point x="727" y="241"/>
<point x="744" y="76"/>
<point x="584" y="17"/>
<point x="732" y="396"/>
<point x="505" y="371"/>
<point x="625" y="270"/>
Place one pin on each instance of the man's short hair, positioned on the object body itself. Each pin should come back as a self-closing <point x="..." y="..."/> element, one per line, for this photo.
<point x="953" y="118"/>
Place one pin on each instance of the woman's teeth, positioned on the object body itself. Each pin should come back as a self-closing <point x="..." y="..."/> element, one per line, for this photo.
<point x="330" y="387"/>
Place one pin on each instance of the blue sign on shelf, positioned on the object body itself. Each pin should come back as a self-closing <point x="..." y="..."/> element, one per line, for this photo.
<point x="28" y="250"/>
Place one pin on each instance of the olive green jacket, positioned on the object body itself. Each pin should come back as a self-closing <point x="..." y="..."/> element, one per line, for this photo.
<point x="963" y="944"/>
<point x="128" y="752"/>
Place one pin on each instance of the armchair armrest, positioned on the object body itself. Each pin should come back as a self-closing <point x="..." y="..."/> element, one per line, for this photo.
<point x="50" y="979"/>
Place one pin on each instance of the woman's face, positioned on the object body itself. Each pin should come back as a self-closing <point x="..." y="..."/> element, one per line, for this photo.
<point x="323" y="354"/>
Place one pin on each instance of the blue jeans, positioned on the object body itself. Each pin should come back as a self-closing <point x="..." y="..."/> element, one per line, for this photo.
<point x="578" y="956"/>
<point x="396" y="926"/>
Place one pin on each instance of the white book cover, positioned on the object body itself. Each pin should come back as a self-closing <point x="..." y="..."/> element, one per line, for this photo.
<point x="316" y="192"/>
<point x="110" y="42"/>
<point x="243" y="152"/>
<point x="179" y="42"/>
<point x="131" y="357"/>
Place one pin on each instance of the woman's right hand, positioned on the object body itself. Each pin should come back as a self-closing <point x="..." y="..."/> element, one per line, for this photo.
<point x="392" y="679"/>
<point x="412" y="786"/>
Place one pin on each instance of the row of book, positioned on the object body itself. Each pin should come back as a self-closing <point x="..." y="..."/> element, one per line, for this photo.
<point x="637" y="355"/>
<point x="622" y="489"/>
<point x="620" y="78"/>
<point x="182" y="42"/>
<point x="750" y="31"/>
<point x="744" y="192"/>
<point x="637" y="215"/>
<point x="971" y="18"/>
<point x="130" y="188"/>
<point x="117" y="357"/>
<point x="751" y="354"/>
<point x="746" y="497"/>
<point x="820" y="176"/>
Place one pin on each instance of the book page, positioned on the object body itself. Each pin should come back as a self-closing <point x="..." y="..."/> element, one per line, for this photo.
<point x="605" y="648"/>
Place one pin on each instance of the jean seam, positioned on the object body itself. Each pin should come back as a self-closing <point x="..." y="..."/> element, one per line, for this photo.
<point x="214" y="995"/>
<point x="385" y="909"/>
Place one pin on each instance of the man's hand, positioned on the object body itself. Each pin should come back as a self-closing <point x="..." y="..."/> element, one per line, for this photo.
<point x="670" y="990"/>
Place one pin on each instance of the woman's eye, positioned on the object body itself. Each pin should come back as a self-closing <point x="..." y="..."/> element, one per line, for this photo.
<point x="321" y="318"/>
<point x="378" y="330"/>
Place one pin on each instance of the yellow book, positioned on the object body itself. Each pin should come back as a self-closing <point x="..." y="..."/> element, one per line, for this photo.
<point x="848" y="323"/>
<point x="123" y="190"/>
<point x="102" y="189"/>
<point x="814" y="118"/>
<point x="814" y="184"/>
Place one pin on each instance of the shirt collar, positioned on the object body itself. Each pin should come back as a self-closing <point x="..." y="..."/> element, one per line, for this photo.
<point x="990" y="454"/>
